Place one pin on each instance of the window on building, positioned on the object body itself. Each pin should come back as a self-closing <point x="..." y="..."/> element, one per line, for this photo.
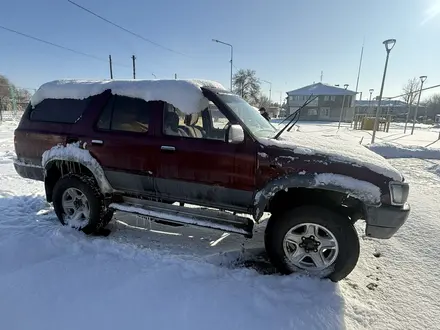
<point x="123" y="113"/>
<point x="312" y="112"/>
<point x="324" y="112"/>
<point x="326" y="98"/>
<point x="291" y="98"/>
<point x="332" y="98"/>
<point x="65" y="111"/>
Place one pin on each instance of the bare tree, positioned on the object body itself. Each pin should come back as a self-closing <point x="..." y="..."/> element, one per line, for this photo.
<point x="263" y="101"/>
<point x="247" y="85"/>
<point x="411" y="90"/>
<point x="433" y="106"/>
<point x="4" y="86"/>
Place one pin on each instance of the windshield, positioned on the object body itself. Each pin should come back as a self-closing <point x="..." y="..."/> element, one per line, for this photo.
<point x="250" y="116"/>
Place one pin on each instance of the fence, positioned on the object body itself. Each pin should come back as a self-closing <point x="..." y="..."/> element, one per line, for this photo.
<point x="365" y="122"/>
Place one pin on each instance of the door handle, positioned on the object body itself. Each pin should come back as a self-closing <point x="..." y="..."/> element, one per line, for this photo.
<point x="167" y="148"/>
<point x="99" y="142"/>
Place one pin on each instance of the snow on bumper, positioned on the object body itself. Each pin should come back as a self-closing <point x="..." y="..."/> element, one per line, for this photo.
<point x="384" y="221"/>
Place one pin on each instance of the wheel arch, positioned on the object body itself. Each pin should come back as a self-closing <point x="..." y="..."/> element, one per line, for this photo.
<point x="297" y="190"/>
<point x="62" y="160"/>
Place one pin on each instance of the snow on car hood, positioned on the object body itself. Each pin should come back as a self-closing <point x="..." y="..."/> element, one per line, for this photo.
<point x="186" y="95"/>
<point x="336" y="149"/>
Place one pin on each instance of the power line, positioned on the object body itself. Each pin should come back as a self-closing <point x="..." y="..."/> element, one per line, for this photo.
<point x="126" y="30"/>
<point x="56" y="45"/>
<point x="415" y="91"/>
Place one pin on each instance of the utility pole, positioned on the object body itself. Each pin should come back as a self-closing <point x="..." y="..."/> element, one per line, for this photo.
<point x="175" y="76"/>
<point x="322" y="74"/>
<point x="357" y="80"/>
<point x="360" y="65"/>
<point x="270" y="90"/>
<point x="134" y="66"/>
<point x="111" y="67"/>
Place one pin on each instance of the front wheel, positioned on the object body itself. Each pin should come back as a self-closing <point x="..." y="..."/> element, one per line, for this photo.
<point x="312" y="240"/>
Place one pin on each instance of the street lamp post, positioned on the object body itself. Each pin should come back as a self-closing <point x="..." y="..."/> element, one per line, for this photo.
<point x="410" y="97"/>
<point x="342" y="108"/>
<point x="270" y="89"/>
<point x="389" y="44"/>
<point x="422" y="79"/>
<point x="232" y="54"/>
<point x="369" y="101"/>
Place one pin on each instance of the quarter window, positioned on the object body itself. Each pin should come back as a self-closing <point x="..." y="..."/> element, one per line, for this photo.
<point x="65" y="111"/>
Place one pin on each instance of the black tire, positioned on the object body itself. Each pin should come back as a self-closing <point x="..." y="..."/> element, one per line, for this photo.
<point x="99" y="216"/>
<point x="344" y="232"/>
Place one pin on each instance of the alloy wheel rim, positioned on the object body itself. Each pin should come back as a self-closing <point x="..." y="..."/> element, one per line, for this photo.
<point x="311" y="247"/>
<point x="76" y="207"/>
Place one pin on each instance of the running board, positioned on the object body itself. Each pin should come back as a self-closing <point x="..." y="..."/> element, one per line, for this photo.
<point x="184" y="215"/>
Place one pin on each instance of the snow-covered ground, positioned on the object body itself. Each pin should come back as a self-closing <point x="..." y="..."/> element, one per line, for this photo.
<point x="52" y="277"/>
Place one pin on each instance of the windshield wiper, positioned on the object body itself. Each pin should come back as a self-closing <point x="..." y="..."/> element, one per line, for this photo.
<point x="294" y="115"/>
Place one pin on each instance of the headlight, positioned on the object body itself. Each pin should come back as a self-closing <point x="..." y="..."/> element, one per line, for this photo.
<point x="399" y="193"/>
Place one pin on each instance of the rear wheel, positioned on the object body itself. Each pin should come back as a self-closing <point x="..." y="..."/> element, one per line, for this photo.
<point x="78" y="203"/>
<point x="312" y="240"/>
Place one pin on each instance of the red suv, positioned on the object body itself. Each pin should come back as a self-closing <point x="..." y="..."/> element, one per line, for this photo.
<point x="150" y="147"/>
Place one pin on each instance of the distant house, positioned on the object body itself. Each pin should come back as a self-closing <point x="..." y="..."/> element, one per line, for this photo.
<point x="274" y="112"/>
<point x="328" y="104"/>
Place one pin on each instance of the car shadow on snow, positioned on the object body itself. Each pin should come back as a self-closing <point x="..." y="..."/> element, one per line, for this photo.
<point x="32" y="212"/>
<point x="216" y="247"/>
<point x="230" y="266"/>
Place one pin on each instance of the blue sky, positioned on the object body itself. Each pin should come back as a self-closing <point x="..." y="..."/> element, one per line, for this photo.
<point x="287" y="42"/>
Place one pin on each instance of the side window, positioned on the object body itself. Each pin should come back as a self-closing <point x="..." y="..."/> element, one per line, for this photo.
<point x="65" y="111"/>
<point x="209" y="124"/>
<point x="217" y="127"/>
<point x="123" y="113"/>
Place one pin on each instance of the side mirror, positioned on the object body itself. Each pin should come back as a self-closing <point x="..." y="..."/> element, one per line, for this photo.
<point x="235" y="134"/>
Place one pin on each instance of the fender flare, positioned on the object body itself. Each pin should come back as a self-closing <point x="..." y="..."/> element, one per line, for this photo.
<point x="339" y="183"/>
<point x="73" y="153"/>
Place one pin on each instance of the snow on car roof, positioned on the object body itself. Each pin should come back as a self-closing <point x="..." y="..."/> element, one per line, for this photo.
<point x="186" y="95"/>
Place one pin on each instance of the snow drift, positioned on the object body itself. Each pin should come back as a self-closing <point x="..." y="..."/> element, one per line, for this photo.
<point x="389" y="150"/>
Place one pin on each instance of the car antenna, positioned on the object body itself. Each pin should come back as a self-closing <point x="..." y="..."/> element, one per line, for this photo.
<point x="294" y="115"/>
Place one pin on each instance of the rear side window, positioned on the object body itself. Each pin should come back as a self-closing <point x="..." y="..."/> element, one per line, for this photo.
<point x="66" y="111"/>
<point x="128" y="114"/>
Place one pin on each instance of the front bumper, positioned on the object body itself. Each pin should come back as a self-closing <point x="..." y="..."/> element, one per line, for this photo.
<point x="384" y="221"/>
